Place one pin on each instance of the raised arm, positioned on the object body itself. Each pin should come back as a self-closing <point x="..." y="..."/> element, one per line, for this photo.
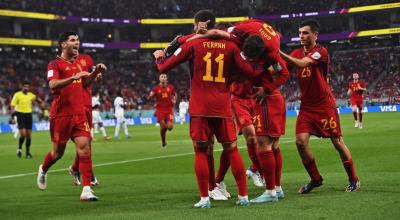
<point x="298" y="63"/>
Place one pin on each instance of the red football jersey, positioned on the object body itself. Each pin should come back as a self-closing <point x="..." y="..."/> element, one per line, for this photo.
<point x="355" y="93"/>
<point x="243" y="90"/>
<point x="164" y="98"/>
<point x="314" y="81"/>
<point x="212" y="62"/>
<point x="70" y="99"/>
<point x="271" y="38"/>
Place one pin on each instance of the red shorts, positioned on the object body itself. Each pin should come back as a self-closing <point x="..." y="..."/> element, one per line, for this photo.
<point x="88" y="113"/>
<point x="319" y="122"/>
<point x="244" y="110"/>
<point x="202" y="129"/>
<point x="270" y="117"/>
<point x="356" y="102"/>
<point x="164" y="116"/>
<point x="62" y="128"/>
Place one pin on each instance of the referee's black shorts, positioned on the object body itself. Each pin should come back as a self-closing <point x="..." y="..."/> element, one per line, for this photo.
<point x="24" y="120"/>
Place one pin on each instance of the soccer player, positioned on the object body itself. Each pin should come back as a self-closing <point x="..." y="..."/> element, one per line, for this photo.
<point x="212" y="63"/>
<point x="165" y="100"/>
<point x="97" y="121"/>
<point x="260" y="44"/>
<point x="318" y="110"/>
<point x="67" y="78"/>
<point x="183" y="108"/>
<point x="119" y="105"/>
<point x="21" y="104"/>
<point x="14" y="121"/>
<point x="356" y="89"/>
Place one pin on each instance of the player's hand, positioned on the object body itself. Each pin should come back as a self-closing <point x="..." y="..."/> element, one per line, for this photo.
<point x="202" y="27"/>
<point x="159" y="54"/>
<point x="259" y="94"/>
<point x="100" y="68"/>
<point x="80" y="75"/>
<point x="99" y="77"/>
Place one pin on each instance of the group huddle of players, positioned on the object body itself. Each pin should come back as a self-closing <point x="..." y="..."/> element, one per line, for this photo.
<point x="235" y="75"/>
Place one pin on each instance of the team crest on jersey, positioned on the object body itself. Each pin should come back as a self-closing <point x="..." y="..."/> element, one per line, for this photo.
<point x="316" y="55"/>
<point x="83" y="62"/>
<point x="66" y="69"/>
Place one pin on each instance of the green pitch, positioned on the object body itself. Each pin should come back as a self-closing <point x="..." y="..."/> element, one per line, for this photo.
<point x="139" y="180"/>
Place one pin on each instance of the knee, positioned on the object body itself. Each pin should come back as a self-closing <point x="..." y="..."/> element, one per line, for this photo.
<point x="251" y="139"/>
<point x="301" y="144"/>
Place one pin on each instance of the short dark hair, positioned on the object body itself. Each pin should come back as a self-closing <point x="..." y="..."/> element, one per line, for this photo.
<point x="314" y="25"/>
<point x="26" y="83"/>
<point x="223" y="25"/>
<point x="253" y="46"/>
<point x="205" y="15"/>
<point x="65" y="36"/>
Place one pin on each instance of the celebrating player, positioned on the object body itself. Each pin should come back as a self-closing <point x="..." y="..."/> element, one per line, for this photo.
<point x="318" y="110"/>
<point x="67" y="77"/>
<point x="356" y="89"/>
<point x="213" y="63"/>
<point x="119" y="105"/>
<point x="165" y="100"/>
<point x="22" y="108"/>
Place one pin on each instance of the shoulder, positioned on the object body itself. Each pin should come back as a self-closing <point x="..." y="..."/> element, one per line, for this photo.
<point x="297" y="52"/>
<point x="320" y="49"/>
<point x="53" y="63"/>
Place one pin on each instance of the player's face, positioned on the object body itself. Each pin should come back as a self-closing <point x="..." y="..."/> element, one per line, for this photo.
<point x="307" y="36"/>
<point x="72" y="45"/>
<point x="355" y="76"/>
<point x="163" y="79"/>
<point x="25" y="88"/>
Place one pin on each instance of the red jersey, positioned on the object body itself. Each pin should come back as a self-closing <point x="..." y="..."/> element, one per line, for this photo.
<point x="70" y="99"/>
<point x="355" y="93"/>
<point x="243" y="89"/>
<point x="212" y="62"/>
<point x="314" y="82"/>
<point x="164" y="98"/>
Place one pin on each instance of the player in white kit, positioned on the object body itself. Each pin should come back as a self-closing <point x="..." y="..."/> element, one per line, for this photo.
<point x="119" y="105"/>
<point x="97" y="121"/>
<point x="183" y="109"/>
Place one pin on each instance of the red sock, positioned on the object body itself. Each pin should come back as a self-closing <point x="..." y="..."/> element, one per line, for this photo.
<point x="201" y="169"/>
<point x="211" y="171"/>
<point x="48" y="161"/>
<point x="312" y="169"/>
<point x="238" y="170"/>
<point x="252" y="151"/>
<point x="85" y="168"/>
<point x="163" y="131"/>
<point x="267" y="161"/>
<point x="278" y="169"/>
<point x="349" y="167"/>
<point x="223" y="167"/>
<point x="75" y="165"/>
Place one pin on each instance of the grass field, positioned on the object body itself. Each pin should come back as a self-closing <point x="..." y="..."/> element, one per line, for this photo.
<point x="139" y="180"/>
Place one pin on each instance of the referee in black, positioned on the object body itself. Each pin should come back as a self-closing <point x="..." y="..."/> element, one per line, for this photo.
<point x="22" y="108"/>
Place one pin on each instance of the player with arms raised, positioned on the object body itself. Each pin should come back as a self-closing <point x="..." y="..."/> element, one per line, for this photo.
<point x="356" y="89"/>
<point x="67" y="79"/>
<point x="165" y="100"/>
<point x="318" y="110"/>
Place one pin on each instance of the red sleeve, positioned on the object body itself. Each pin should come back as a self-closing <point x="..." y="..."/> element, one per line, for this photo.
<point x="319" y="56"/>
<point x="283" y="75"/>
<point x="52" y="71"/>
<point x="183" y="39"/>
<point x="236" y="34"/>
<point x="173" y="90"/>
<point x="363" y="85"/>
<point x="182" y="54"/>
<point x="349" y="85"/>
<point x="242" y="64"/>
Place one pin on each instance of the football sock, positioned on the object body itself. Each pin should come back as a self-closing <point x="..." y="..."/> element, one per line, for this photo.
<point x="103" y="131"/>
<point x="96" y="128"/>
<point x="163" y="132"/>
<point x="223" y="166"/>
<point x="201" y="169"/>
<point x="211" y="171"/>
<point x="85" y="168"/>
<point x="312" y="169"/>
<point x="267" y="161"/>
<point x="238" y="170"/>
<point x="75" y="165"/>
<point x="28" y="145"/>
<point x="117" y="127"/>
<point x="278" y="169"/>
<point x="48" y="161"/>
<point x="20" y="142"/>
<point x="355" y="116"/>
<point x="126" y="129"/>
<point x="349" y="167"/>
<point x="16" y="132"/>
<point x="252" y="151"/>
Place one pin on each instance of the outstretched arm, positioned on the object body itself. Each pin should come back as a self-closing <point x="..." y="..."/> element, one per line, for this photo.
<point x="298" y="63"/>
